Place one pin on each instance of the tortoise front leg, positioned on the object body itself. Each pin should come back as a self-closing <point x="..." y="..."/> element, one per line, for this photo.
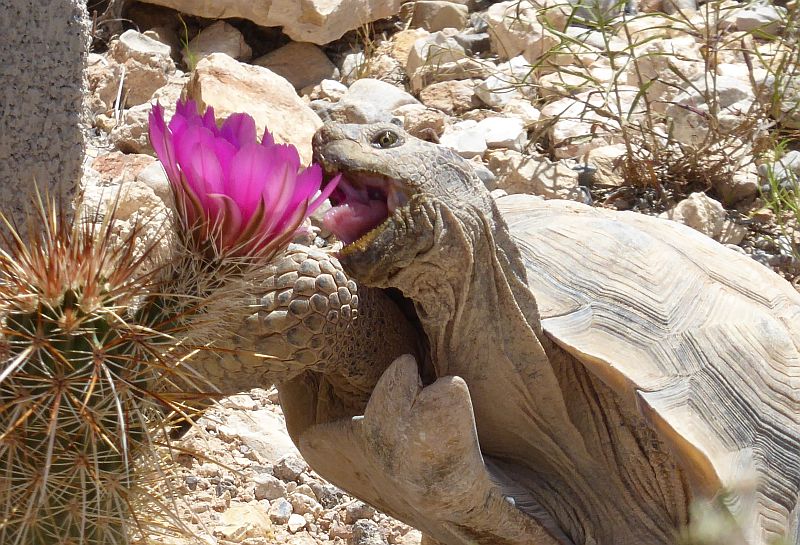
<point x="415" y="455"/>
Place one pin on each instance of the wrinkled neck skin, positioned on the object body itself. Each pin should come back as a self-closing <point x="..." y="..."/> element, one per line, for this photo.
<point x="471" y="295"/>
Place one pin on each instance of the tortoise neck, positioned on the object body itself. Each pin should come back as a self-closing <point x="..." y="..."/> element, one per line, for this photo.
<point x="471" y="291"/>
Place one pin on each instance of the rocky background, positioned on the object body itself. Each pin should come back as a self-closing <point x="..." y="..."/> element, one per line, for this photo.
<point x="662" y="107"/>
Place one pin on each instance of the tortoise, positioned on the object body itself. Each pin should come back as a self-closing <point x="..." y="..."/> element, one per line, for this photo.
<point x="528" y="371"/>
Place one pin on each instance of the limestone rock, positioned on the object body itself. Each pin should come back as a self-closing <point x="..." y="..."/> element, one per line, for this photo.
<point x="533" y="174"/>
<point x="242" y="522"/>
<point x="515" y="29"/>
<point x="315" y="21"/>
<point x="433" y="15"/>
<point x="146" y="65"/>
<point x="369" y="101"/>
<point x="230" y="86"/>
<point x="607" y="163"/>
<point x="741" y="185"/>
<point x="451" y="97"/>
<point x="219" y="37"/>
<point x="130" y="135"/>
<point x="576" y="125"/>
<point x="435" y="49"/>
<point x="503" y="132"/>
<point x="420" y="121"/>
<point x="280" y="511"/>
<point x="296" y="522"/>
<point x="465" y="138"/>
<point x="690" y="109"/>
<point x="763" y="18"/>
<point x="301" y="63"/>
<point x="268" y="487"/>
<point x="523" y="110"/>
<point x="699" y="212"/>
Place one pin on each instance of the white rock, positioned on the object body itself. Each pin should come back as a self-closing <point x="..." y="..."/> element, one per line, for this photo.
<point x="219" y="37"/>
<point x="130" y="135"/>
<point x="268" y="487"/>
<point x="301" y="63"/>
<point x="741" y="185"/>
<point x="699" y="212"/>
<point x="368" y="101"/>
<point x="420" y="121"/>
<point x="465" y="138"/>
<point x="315" y="21"/>
<point x="523" y="110"/>
<point x="296" y="523"/>
<point x="302" y="504"/>
<point x="434" y="49"/>
<point x="533" y="174"/>
<point x="329" y="89"/>
<point x="154" y="177"/>
<point x="690" y="109"/>
<point x="289" y="467"/>
<point x="511" y="81"/>
<point x="230" y="86"/>
<point x="608" y="164"/>
<point x="137" y="46"/>
<point x="503" y="132"/>
<point x="577" y="126"/>
<point x="280" y="511"/>
<point x="515" y="29"/>
<point x="764" y="18"/>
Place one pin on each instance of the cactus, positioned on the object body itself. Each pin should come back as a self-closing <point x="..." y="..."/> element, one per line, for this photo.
<point x="88" y="340"/>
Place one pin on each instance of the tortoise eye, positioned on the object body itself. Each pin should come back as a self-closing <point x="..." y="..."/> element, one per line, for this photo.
<point x="385" y="139"/>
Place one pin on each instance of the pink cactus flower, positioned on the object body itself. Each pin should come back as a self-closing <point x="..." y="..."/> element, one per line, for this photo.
<point x="246" y="198"/>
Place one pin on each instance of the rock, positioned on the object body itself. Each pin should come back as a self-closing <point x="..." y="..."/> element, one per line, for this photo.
<point x="268" y="487"/>
<point x="699" y="212"/>
<point x="503" y="132"/>
<point x="303" y="64"/>
<point x="474" y="43"/>
<point x="576" y="126"/>
<point x="302" y="504"/>
<point x="466" y="68"/>
<point x="352" y="67"/>
<point x="762" y="18"/>
<point x="130" y="135"/>
<point x="289" y="467"/>
<point x="263" y="431"/>
<point x="562" y="84"/>
<point x="240" y="402"/>
<point x="420" y="121"/>
<point x="465" y="138"/>
<point x="732" y="233"/>
<point x="436" y="15"/>
<point x="241" y="522"/>
<point x="296" y="523"/>
<point x="367" y="532"/>
<point x="280" y="511"/>
<point x="402" y="42"/>
<point x="358" y="510"/>
<point x="434" y="49"/>
<point x="451" y="97"/>
<point x="742" y="184"/>
<point x="607" y="163"/>
<point x="514" y="28"/>
<point x="510" y="82"/>
<point x="315" y="21"/>
<point x="154" y="177"/>
<point x="665" y="66"/>
<point x="674" y="6"/>
<point x="117" y="168"/>
<point x="523" y="110"/>
<point x="230" y="86"/>
<point x="219" y="37"/>
<point x="103" y="76"/>
<point x="145" y="65"/>
<point x="327" y="89"/>
<point x="689" y="111"/>
<point x="369" y="101"/>
<point x="533" y="174"/>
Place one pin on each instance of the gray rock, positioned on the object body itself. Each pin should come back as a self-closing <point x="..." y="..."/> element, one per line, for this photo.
<point x="474" y="42"/>
<point x="367" y="532"/>
<point x="436" y="15"/>
<point x="268" y="487"/>
<point x="280" y="510"/>
<point x="219" y="37"/>
<point x="503" y="132"/>
<point x="466" y="139"/>
<point x="358" y="510"/>
<point x="367" y="101"/>
<point x="289" y="468"/>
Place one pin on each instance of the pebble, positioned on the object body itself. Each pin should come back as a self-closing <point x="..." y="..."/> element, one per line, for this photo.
<point x="280" y="510"/>
<point x="296" y="523"/>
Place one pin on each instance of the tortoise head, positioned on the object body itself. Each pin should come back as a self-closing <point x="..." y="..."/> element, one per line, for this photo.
<point x="399" y="198"/>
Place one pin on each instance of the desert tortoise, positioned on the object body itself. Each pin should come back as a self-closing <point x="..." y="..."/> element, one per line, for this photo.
<point x="584" y="375"/>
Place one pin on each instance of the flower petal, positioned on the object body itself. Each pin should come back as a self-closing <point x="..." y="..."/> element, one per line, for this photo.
<point x="161" y="140"/>
<point x="239" y="129"/>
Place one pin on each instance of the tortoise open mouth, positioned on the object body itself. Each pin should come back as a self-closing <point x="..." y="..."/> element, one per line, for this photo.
<point x="361" y="202"/>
